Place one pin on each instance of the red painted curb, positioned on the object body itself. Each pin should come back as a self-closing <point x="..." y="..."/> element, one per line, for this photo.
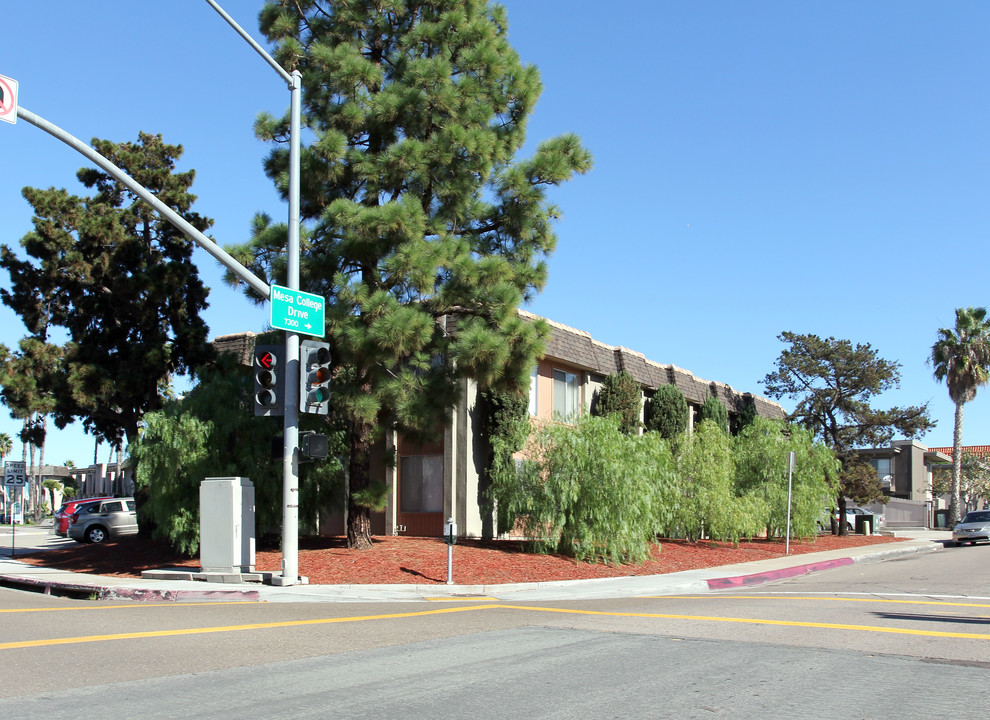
<point x="763" y="577"/>
<point x="145" y="595"/>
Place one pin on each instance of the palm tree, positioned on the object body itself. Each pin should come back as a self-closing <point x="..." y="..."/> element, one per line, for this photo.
<point x="961" y="357"/>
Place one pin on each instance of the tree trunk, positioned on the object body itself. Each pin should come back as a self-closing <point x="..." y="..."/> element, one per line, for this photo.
<point x="19" y="495"/>
<point x="955" y="500"/>
<point x="358" y="517"/>
<point x="33" y="482"/>
<point x="38" y="509"/>
<point x="843" y="530"/>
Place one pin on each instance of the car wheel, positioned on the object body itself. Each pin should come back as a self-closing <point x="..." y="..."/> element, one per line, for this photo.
<point x="96" y="534"/>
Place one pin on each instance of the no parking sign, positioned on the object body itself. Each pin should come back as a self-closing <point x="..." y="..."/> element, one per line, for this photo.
<point x="8" y="99"/>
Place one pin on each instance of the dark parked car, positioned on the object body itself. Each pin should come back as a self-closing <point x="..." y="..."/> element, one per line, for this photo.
<point x="63" y="516"/>
<point x="101" y="520"/>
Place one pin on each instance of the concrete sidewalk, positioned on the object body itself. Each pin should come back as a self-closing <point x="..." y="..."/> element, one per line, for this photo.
<point x="744" y="575"/>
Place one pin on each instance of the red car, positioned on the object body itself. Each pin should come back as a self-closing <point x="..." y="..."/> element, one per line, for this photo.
<point x="64" y="514"/>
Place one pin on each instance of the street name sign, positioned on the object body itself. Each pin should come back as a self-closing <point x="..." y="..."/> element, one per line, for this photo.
<point x="8" y="99"/>
<point x="297" y="311"/>
<point x="14" y="473"/>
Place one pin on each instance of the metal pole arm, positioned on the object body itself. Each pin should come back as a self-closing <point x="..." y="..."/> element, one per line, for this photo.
<point x="256" y="283"/>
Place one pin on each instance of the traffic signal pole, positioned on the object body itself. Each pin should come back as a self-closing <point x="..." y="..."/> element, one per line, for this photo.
<point x="290" y="449"/>
<point x="222" y="256"/>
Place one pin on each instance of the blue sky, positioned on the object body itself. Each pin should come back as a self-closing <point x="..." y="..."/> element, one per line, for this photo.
<point x="759" y="167"/>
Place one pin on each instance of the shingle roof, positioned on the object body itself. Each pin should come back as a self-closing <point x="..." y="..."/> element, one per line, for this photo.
<point x="239" y="344"/>
<point x="578" y="348"/>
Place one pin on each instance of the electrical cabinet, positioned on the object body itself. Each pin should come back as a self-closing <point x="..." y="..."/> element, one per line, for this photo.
<point x="226" y="525"/>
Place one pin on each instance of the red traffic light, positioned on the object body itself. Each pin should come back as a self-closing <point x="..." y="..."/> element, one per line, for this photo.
<point x="267" y="360"/>
<point x="269" y="390"/>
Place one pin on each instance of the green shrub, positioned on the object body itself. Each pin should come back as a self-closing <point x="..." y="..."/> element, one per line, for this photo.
<point x="747" y="414"/>
<point x="620" y="395"/>
<point x="505" y="423"/>
<point x="714" y="411"/>
<point x="667" y="412"/>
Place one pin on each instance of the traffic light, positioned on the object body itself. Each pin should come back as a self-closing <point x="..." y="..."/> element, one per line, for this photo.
<point x="314" y="377"/>
<point x="313" y="445"/>
<point x="269" y="381"/>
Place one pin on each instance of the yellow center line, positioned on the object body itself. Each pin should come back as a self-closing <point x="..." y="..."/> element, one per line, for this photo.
<point x="524" y="608"/>
<point x="228" y="628"/>
<point x="811" y="597"/>
<point x="756" y="621"/>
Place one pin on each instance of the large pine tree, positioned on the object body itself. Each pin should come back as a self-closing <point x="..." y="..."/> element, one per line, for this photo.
<point x="424" y="232"/>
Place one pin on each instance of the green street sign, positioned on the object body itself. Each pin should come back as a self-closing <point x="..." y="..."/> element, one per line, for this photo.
<point x="297" y="311"/>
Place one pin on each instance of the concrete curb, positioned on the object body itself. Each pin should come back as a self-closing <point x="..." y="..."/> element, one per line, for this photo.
<point x="782" y="574"/>
<point x="18" y="575"/>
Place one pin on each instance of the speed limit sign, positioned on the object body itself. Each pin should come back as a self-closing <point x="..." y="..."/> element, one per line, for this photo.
<point x="14" y="473"/>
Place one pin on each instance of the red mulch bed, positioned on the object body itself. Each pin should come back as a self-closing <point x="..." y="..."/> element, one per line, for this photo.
<point x="392" y="560"/>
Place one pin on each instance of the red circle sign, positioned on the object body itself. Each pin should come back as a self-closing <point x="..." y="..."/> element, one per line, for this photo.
<point x="6" y="98"/>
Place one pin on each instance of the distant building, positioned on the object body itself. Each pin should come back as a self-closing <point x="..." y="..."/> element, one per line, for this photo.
<point x="905" y="469"/>
<point x="980" y="451"/>
<point x="103" y="479"/>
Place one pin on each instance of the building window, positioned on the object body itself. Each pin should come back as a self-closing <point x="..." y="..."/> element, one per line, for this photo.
<point x="566" y="395"/>
<point x="421" y="484"/>
<point x="533" y="392"/>
<point x="882" y="466"/>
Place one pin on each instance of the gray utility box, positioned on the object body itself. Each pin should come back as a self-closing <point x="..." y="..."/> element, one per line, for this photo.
<point x="226" y="525"/>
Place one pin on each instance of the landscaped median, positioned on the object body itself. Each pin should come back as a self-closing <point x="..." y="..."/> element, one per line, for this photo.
<point x="409" y="560"/>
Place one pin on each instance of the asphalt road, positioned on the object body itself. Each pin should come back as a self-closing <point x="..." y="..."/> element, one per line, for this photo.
<point x="24" y="538"/>
<point x="902" y="639"/>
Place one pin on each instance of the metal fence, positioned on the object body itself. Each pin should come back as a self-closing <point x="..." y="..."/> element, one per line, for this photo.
<point x="905" y="513"/>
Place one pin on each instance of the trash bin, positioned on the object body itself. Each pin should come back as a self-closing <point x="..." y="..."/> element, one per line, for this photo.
<point x="942" y="518"/>
<point x="864" y="524"/>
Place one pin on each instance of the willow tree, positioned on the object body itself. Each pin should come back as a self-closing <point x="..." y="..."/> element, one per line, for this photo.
<point x="424" y="231"/>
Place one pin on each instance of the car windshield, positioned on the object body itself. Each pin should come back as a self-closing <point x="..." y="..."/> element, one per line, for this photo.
<point x="973" y="517"/>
